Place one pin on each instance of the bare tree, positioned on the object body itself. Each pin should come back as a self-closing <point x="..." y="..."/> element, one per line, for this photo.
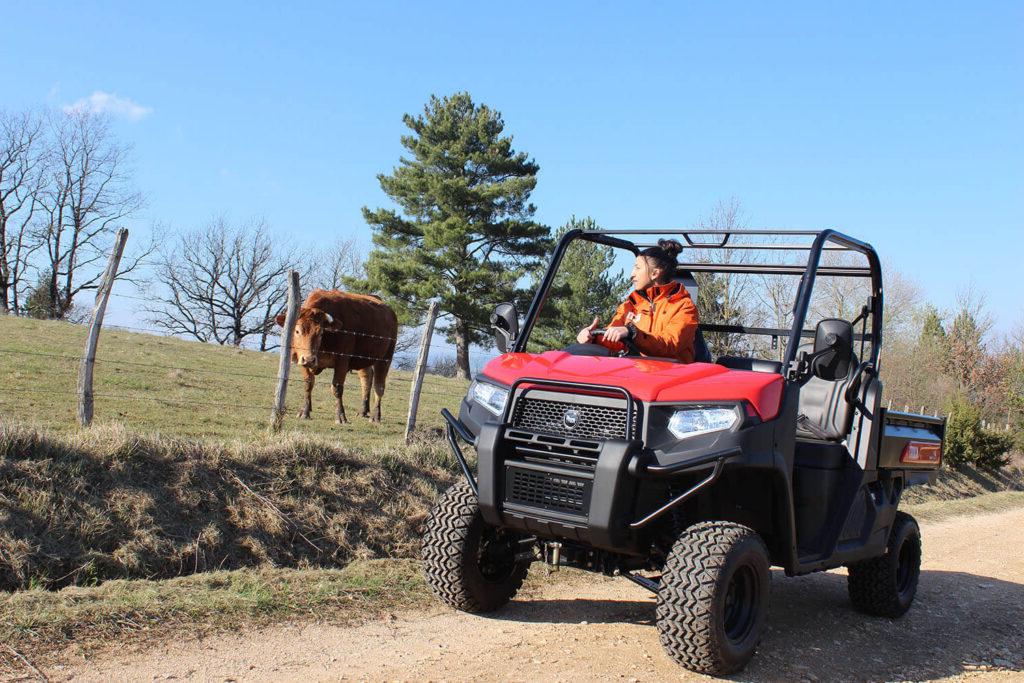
<point x="775" y="297"/>
<point x="722" y="297"/>
<point x="340" y="264"/>
<point x="22" y="158"/>
<point x="224" y="284"/>
<point x="87" y="195"/>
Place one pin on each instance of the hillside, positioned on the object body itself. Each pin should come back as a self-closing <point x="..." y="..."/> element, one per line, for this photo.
<point x="162" y="385"/>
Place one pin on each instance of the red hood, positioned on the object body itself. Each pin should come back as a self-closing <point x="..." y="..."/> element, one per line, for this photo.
<point x="646" y="380"/>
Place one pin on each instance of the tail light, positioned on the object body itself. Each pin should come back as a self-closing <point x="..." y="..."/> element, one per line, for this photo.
<point x="921" y="453"/>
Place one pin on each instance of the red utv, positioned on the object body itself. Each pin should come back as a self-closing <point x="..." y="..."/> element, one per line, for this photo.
<point x="701" y="476"/>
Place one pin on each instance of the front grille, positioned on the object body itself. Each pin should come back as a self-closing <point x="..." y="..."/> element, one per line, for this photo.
<point x="587" y="422"/>
<point x="554" y="450"/>
<point x="548" y="491"/>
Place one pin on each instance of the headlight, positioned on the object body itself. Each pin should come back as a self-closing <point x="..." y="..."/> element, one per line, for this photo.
<point x="489" y="396"/>
<point x="693" y="421"/>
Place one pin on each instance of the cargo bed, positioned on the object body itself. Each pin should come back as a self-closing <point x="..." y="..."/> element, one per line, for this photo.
<point x="913" y="443"/>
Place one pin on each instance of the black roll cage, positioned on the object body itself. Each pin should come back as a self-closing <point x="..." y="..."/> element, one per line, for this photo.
<point x="824" y="240"/>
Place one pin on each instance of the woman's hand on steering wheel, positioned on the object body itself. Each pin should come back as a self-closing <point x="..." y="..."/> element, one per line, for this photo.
<point x="629" y="348"/>
<point x="616" y="334"/>
<point x="613" y="334"/>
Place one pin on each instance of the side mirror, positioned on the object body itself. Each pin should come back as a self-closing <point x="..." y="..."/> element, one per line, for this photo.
<point x="505" y="321"/>
<point x="833" y="349"/>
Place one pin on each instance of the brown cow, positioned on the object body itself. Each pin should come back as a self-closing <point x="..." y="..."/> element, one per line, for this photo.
<point x="344" y="331"/>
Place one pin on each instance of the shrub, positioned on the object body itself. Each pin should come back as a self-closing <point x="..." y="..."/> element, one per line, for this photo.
<point x="967" y="442"/>
<point x="445" y="367"/>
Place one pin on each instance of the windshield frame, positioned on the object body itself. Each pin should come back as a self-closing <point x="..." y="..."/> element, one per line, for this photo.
<point x="824" y="240"/>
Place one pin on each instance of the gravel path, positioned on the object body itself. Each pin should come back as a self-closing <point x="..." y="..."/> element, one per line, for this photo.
<point x="967" y="623"/>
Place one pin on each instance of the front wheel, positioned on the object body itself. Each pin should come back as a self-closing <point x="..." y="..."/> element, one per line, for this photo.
<point x="469" y="564"/>
<point x="885" y="586"/>
<point x="713" y="600"/>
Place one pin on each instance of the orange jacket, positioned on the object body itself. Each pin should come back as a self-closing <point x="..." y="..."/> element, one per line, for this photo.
<point x="665" y="318"/>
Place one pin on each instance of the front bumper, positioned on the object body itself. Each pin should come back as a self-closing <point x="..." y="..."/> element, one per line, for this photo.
<point x="606" y="506"/>
<point x="592" y="507"/>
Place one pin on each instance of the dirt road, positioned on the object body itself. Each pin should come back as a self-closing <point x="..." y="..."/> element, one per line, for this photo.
<point x="968" y="621"/>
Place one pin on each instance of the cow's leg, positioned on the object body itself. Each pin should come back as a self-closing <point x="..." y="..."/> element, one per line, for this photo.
<point x="366" y="384"/>
<point x="340" y="370"/>
<point x="380" y="375"/>
<point x="307" y="407"/>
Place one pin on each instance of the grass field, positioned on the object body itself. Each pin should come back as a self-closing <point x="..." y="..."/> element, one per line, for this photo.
<point x="162" y="385"/>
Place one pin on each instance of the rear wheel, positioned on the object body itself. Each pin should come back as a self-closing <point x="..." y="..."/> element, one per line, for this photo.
<point x="713" y="600"/>
<point x="469" y="564"/>
<point x="885" y="586"/>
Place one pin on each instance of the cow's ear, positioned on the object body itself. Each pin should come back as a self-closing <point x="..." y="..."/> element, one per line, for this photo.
<point x="279" y="319"/>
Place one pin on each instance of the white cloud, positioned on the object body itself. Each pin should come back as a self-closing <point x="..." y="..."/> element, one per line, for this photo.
<point x="108" y="103"/>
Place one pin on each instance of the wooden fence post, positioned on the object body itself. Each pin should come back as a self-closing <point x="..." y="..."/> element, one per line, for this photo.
<point x="285" y="364"/>
<point x="85" y="370"/>
<point x="421" y="368"/>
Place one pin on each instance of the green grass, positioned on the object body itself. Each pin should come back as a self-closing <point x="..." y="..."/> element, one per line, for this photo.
<point x="199" y="390"/>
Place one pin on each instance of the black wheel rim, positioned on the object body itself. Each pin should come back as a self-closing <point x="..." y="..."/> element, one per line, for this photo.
<point x="496" y="554"/>
<point x="906" y="568"/>
<point x="741" y="602"/>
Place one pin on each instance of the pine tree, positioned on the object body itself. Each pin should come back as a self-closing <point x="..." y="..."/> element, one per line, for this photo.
<point x="967" y="441"/>
<point x="717" y="306"/>
<point x="40" y="304"/>
<point x="932" y="331"/>
<point x="965" y="351"/>
<point x="932" y="347"/>
<point x="465" y="234"/>
<point x="584" y="287"/>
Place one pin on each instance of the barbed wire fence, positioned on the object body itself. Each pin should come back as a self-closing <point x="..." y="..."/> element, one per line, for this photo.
<point x="417" y="384"/>
<point x="95" y="360"/>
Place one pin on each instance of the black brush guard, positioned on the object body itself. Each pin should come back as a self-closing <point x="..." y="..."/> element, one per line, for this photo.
<point x="550" y="500"/>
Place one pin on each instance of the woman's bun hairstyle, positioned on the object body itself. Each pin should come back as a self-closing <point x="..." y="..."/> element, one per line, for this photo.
<point x="664" y="256"/>
<point x="670" y="247"/>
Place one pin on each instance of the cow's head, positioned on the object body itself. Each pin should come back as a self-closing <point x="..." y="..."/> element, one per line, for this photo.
<point x="309" y="334"/>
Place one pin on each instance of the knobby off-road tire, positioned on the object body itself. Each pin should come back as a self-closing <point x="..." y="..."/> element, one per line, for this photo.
<point x="885" y="586"/>
<point x="713" y="600"/>
<point x="469" y="564"/>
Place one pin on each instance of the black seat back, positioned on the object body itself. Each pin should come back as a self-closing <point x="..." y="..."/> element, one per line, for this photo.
<point x="701" y="354"/>
<point x="824" y="412"/>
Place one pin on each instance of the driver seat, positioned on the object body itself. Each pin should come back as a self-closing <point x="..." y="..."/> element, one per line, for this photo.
<point x="824" y="414"/>
<point x="701" y="354"/>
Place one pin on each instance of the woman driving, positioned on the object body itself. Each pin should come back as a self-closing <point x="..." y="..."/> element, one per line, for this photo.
<point x="659" y="318"/>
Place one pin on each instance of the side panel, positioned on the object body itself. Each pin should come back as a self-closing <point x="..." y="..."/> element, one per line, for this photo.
<point x="866" y="432"/>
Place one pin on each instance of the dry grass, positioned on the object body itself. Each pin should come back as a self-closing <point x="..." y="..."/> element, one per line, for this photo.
<point x="939" y="509"/>
<point x="86" y="507"/>
<point x="41" y="625"/>
<point x="966" y="482"/>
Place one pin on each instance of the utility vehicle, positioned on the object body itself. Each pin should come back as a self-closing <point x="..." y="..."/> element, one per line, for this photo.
<point x="691" y="480"/>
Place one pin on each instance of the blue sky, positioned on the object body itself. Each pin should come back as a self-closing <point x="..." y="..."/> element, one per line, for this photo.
<point x="901" y="123"/>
